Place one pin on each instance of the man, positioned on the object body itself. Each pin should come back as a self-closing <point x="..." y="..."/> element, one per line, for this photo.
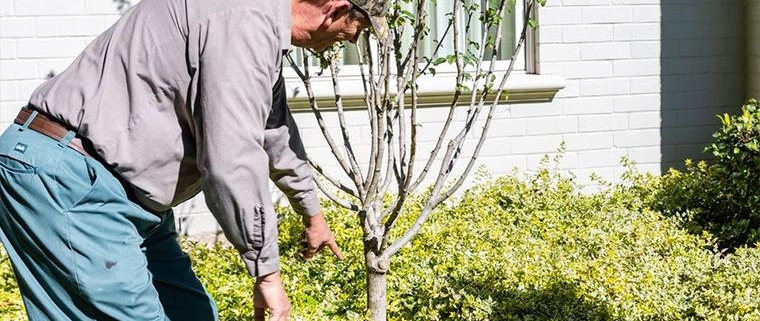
<point x="175" y="98"/>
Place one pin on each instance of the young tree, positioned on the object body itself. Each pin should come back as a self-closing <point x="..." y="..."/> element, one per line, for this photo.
<point x="390" y="74"/>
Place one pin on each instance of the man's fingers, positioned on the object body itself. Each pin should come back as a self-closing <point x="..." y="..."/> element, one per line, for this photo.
<point x="334" y="248"/>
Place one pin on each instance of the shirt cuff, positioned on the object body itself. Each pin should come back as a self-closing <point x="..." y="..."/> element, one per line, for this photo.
<point x="258" y="265"/>
<point x="308" y="205"/>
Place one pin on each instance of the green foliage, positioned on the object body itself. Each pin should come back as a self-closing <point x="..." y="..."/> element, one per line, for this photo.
<point x="11" y="307"/>
<point x="721" y="197"/>
<point x="515" y="248"/>
<point x="518" y="248"/>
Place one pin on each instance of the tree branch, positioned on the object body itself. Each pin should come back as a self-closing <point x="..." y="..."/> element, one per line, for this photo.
<point x="306" y="79"/>
<point x="454" y="102"/>
<point x="337" y="183"/>
<point x="450" y="158"/>
<point x="343" y="128"/>
<point x="486" y="126"/>
<point x="342" y="202"/>
<point x="372" y="110"/>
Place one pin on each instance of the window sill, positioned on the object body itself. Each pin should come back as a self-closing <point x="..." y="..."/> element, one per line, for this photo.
<point x="433" y="92"/>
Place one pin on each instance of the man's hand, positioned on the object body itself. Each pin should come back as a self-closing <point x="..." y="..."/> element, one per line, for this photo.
<point x="316" y="236"/>
<point x="268" y="292"/>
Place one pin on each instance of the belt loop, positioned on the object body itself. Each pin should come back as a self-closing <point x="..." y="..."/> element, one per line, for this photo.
<point x="67" y="139"/>
<point x="30" y="119"/>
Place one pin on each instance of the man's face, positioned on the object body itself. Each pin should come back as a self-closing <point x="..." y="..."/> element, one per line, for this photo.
<point x="346" y="25"/>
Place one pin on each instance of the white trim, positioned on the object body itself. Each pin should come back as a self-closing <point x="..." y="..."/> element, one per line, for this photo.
<point x="434" y="91"/>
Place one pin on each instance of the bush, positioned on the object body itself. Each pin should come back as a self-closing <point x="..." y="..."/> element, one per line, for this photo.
<point x="721" y="197"/>
<point x="11" y="307"/>
<point x="518" y="248"/>
<point x="514" y="248"/>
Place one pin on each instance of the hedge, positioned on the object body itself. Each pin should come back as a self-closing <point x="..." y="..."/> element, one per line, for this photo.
<point x="720" y="195"/>
<point x="515" y="248"/>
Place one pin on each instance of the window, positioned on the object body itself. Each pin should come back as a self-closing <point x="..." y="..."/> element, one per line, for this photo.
<point x="438" y="21"/>
<point x="524" y="85"/>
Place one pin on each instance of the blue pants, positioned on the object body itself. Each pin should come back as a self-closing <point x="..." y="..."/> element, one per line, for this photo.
<point x="81" y="249"/>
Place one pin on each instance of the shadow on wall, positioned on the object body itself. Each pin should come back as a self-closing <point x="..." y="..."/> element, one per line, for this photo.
<point x="702" y="73"/>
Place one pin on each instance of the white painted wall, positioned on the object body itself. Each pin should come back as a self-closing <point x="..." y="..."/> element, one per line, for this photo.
<point x="644" y="80"/>
<point x="646" y="76"/>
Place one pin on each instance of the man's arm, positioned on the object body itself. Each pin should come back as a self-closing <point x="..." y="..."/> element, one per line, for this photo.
<point x="290" y="171"/>
<point x="288" y="166"/>
<point x="238" y="63"/>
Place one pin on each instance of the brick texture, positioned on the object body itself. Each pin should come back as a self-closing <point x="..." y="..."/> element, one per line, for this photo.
<point x="652" y="90"/>
<point x="644" y="79"/>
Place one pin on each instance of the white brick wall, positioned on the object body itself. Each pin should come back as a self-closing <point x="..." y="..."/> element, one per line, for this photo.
<point x="38" y="37"/>
<point x="650" y="76"/>
<point x="644" y="79"/>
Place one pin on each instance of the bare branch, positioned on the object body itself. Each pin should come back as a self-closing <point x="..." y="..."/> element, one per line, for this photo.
<point x="342" y="202"/>
<point x="413" y="142"/>
<point x="306" y="78"/>
<point x="410" y="233"/>
<point x="343" y="128"/>
<point x="450" y="158"/>
<point x="423" y="70"/>
<point x="381" y="144"/>
<point x="454" y="102"/>
<point x="404" y="170"/>
<point x="425" y="213"/>
<point x="372" y="110"/>
<point x="429" y="205"/>
<point x="419" y="27"/>
<point x="474" y="110"/>
<point x="337" y="183"/>
<point x="486" y="126"/>
<point x="391" y="222"/>
<point x="391" y="166"/>
<point x="379" y="140"/>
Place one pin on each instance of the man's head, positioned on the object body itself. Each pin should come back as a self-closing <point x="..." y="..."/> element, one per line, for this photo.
<point x="317" y="24"/>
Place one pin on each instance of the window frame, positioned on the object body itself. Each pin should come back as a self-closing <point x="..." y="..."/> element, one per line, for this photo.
<point x="525" y="85"/>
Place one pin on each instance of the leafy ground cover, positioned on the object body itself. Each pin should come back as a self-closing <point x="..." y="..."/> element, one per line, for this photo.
<point x="681" y="246"/>
<point x="520" y="248"/>
<point x="515" y="248"/>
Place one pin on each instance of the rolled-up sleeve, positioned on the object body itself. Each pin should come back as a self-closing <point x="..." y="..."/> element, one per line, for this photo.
<point x="239" y="58"/>
<point x="288" y="165"/>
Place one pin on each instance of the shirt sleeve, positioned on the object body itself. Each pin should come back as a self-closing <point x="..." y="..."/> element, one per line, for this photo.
<point x="239" y="60"/>
<point x="288" y="165"/>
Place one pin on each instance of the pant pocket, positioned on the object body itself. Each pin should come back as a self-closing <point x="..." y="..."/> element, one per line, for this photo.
<point x="16" y="166"/>
<point x="74" y="177"/>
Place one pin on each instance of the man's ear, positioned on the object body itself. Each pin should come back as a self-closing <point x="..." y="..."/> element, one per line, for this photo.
<point x="333" y="9"/>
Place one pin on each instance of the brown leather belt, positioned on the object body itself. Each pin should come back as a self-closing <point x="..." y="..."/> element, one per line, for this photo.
<point x="50" y="128"/>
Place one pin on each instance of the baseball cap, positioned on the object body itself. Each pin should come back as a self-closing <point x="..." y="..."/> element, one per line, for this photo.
<point x="375" y="10"/>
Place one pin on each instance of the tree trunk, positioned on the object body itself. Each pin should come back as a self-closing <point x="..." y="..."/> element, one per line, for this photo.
<point x="376" y="288"/>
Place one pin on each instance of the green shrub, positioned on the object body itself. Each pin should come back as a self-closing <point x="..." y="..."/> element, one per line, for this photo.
<point x="11" y="307"/>
<point x="522" y="248"/>
<point x="721" y="197"/>
<point x="514" y="248"/>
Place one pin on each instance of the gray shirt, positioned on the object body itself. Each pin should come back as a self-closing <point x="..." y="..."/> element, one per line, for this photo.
<point x="177" y="97"/>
